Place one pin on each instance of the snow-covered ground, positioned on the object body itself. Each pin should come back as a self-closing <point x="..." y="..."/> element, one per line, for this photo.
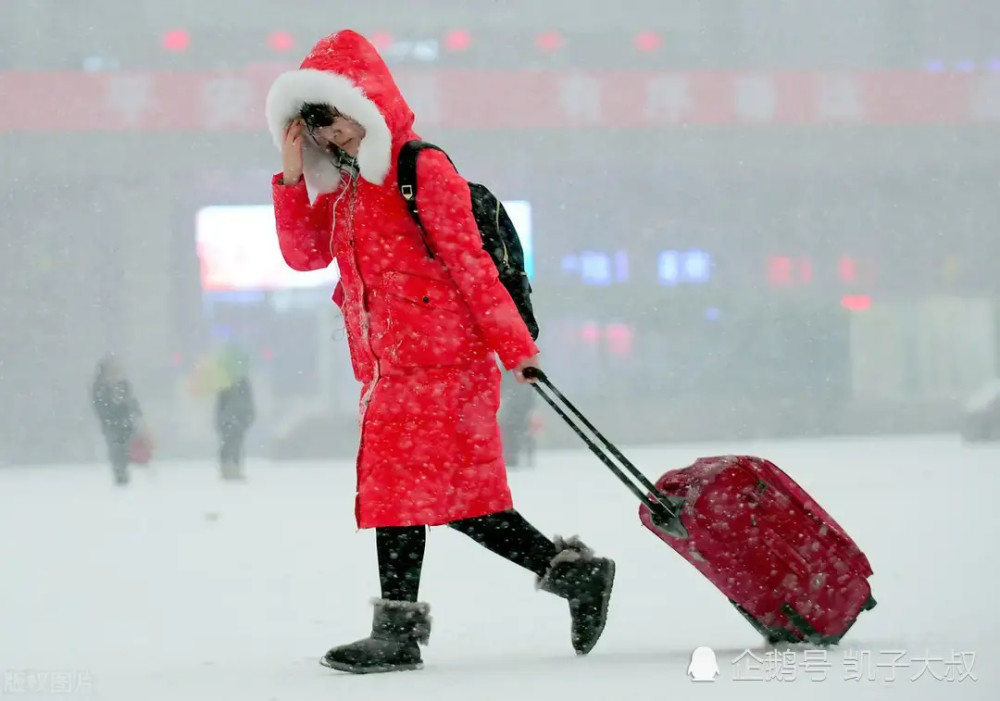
<point x="181" y="587"/>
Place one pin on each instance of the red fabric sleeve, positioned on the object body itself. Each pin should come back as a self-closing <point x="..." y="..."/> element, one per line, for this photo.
<point x="303" y="228"/>
<point x="445" y="210"/>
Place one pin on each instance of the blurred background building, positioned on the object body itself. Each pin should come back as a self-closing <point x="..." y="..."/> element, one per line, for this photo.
<point x="746" y="218"/>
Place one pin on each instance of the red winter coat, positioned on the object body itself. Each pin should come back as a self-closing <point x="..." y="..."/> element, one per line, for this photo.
<point x="423" y="333"/>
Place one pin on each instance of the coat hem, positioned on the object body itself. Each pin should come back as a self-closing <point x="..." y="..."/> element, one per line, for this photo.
<point x="433" y="522"/>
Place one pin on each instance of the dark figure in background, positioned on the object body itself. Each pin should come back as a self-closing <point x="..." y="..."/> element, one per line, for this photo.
<point x="234" y="414"/>
<point x="119" y="414"/>
<point x="517" y="402"/>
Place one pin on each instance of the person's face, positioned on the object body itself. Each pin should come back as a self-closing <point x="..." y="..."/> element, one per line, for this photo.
<point x="344" y="133"/>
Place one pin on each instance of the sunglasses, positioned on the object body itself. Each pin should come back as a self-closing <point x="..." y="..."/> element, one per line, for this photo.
<point x="317" y="116"/>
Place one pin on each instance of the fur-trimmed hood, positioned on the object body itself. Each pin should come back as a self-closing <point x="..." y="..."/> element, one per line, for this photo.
<point x="344" y="71"/>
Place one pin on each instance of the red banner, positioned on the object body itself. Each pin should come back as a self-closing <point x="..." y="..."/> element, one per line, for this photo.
<point x="207" y="101"/>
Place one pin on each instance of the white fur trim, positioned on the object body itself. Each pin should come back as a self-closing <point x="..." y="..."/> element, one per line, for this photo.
<point x="292" y="89"/>
<point x="418" y="614"/>
<point x="420" y="607"/>
<point x="567" y="550"/>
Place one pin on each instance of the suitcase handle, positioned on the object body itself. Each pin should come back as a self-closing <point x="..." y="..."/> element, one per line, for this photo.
<point x="665" y="510"/>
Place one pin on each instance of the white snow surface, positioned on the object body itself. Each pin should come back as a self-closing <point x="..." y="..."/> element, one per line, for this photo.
<point x="184" y="587"/>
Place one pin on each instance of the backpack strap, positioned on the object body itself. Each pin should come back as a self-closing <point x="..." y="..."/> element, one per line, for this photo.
<point x="406" y="177"/>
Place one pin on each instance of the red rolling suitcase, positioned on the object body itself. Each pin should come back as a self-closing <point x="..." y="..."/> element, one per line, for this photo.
<point x="772" y="551"/>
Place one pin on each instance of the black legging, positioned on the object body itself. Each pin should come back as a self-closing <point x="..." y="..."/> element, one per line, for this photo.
<point x="401" y="549"/>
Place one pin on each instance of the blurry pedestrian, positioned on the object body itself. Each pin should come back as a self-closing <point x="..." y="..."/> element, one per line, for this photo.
<point x="120" y="417"/>
<point x="424" y="332"/>
<point x="235" y="413"/>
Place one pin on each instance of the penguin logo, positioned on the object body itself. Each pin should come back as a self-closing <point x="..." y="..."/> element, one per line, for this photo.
<point x="703" y="667"/>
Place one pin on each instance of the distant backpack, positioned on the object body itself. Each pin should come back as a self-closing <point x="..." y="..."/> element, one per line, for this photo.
<point x="497" y="231"/>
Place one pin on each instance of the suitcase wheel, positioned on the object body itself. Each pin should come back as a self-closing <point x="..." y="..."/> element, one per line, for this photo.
<point x="810" y="634"/>
<point x="805" y="631"/>
<point x="771" y="635"/>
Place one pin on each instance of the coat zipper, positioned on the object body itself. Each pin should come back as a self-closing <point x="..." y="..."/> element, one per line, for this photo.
<point x="357" y="268"/>
<point x="376" y="370"/>
<point x="365" y="318"/>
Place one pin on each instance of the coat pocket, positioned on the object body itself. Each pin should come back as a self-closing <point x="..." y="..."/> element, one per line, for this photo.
<point x="422" y="290"/>
<point x="427" y="321"/>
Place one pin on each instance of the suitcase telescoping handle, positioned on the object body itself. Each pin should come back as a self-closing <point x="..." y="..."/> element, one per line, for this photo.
<point x="664" y="509"/>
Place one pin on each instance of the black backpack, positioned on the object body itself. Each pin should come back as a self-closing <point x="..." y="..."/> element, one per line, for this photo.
<point x="497" y="231"/>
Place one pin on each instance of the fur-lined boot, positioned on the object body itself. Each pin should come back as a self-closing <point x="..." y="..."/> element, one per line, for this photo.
<point x="397" y="628"/>
<point x="585" y="581"/>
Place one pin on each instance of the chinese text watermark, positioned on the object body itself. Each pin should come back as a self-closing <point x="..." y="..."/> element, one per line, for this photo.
<point x="45" y="682"/>
<point x="855" y="665"/>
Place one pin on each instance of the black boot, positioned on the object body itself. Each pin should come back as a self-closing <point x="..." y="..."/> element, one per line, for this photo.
<point x="585" y="580"/>
<point x="397" y="628"/>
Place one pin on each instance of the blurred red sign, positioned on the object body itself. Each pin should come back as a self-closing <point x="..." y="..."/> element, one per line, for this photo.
<point x="467" y="99"/>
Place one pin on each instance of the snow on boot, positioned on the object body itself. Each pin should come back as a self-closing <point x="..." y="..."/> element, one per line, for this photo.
<point x="397" y="628"/>
<point x="584" y="580"/>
